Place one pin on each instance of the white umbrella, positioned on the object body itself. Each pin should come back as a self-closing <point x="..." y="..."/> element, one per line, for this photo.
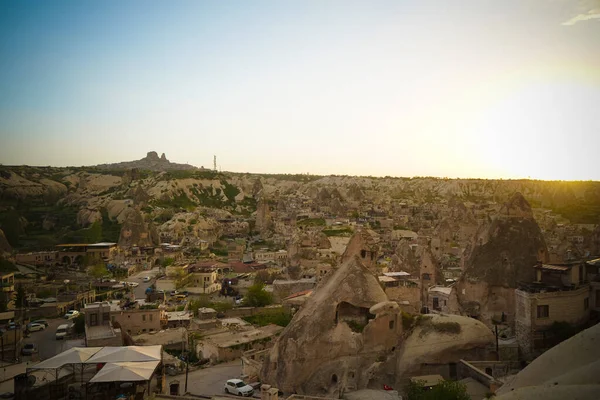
<point x="125" y="372"/>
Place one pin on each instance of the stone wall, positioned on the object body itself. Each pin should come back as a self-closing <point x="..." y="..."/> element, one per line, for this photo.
<point x="282" y="289"/>
<point x="412" y="294"/>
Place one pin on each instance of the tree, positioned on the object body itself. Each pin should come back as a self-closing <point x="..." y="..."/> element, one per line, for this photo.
<point x="20" y="298"/>
<point x="257" y="296"/>
<point x="79" y="324"/>
<point x="445" y="390"/>
<point x="97" y="271"/>
<point x="179" y="276"/>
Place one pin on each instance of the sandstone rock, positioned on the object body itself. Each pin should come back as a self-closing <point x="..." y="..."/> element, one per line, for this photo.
<point x="572" y="365"/>
<point x="135" y="231"/>
<point x="364" y="244"/>
<point x="504" y="253"/>
<point x="264" y="221"/>
<point x="5" y="247"/>
<point x="152" y="162"/>
<point x="87" y="216"/>
<point x="318" y="351"/>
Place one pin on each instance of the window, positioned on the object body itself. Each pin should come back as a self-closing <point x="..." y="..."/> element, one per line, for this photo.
<point x="143" y="317"/>
<point x="543" y="311"/>
<point x="586" y="303"/>
<point x="93" y="319"/>
<point x="363" y="253"/>
<point x="391" y="324"/>
<point x="150" y="315"/>
<point x="106" y="317"/>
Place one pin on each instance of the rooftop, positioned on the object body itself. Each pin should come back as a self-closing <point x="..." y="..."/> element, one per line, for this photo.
<point x="229" y="339"/>
<point x="100" y="332"/>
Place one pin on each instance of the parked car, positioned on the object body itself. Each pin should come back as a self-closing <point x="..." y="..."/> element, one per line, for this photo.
<point x="40" y="321"/>
<point x="71" y="314"/>
<point x="146" y="279"/>
<point x="133" y="284"/>
<point x="34" y="327"/>
<point x="62" y="331"/>
<point x="239" y="388"/>
<point x="29" y="349"/>
<point x="174" y="292"/>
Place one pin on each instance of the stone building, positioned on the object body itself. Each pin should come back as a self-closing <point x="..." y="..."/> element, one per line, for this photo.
<point x="99" y="330"/>
<point x="560" y="294"/>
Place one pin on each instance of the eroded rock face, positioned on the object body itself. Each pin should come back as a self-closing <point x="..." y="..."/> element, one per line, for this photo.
<point x="504" y="253"/>
<point x="364" y="244"/>
<point x="318" y="352"/>
<point x="135" y="231"/>
<point x="5" y="247"/>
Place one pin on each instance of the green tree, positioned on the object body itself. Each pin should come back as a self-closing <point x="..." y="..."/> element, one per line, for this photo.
<point x="257" y="296"/>
<point x="79" y="322"/>
<point x="179" y="276"/>
<point x="97" y="271"/>
<point x="445" y="390"/>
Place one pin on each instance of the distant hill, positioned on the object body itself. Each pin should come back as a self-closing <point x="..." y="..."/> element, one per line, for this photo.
<point x="152" y="162"/>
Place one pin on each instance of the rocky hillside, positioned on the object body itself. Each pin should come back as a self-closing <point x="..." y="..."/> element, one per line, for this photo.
<point x="41" y="206"/>
<point x="152" y="162"/>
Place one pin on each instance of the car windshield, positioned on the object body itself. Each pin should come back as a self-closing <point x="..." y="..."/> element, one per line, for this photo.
<point x="240" y="384"/>
<point x="28" y="346"/>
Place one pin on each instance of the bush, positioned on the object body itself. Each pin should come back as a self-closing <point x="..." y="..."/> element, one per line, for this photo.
<point x="355" y="326"/>
<point x="445" y="390"/>
<point x="281" y="318"/>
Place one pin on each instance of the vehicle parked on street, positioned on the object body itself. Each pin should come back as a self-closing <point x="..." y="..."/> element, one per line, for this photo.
<point x="239" y="388"/>
<point x="29" y="349"/>
<point x="40" y="321"/>
<point x="34" y="327"/>
<point x="133" y="284"/>
<point x="71" y="314"/>
<point x="62" y="331"/>
<point x="146" y="279"/>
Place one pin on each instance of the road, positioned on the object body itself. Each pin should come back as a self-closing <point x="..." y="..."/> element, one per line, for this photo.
<point x="46" y="341"/>
<point x="208" y="381"/>
<point x="140" y="291"/>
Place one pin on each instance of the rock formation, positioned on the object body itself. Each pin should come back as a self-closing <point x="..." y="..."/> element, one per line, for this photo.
<point x="264" y="222"/>
<point x="503" y="254"/>
<point x="322" y="349"/>
<point x="349" y="336"/>
<point x="5" y="247"/>
<point x="364" y="244"/>
<point x="152" y="162"/>
<point x="135" y="231"/>
<point x="566" y="371"/>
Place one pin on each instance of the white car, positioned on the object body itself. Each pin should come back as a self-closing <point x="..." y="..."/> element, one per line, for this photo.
<point x="239" y="388"/>
<point x="71" y="314"/>
<point x="146" y="279"/>
<point x="34" y="327"/>
<point x="133" y="284"/>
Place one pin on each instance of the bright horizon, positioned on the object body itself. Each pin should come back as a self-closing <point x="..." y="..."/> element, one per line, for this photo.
<point x="467" y="89"/>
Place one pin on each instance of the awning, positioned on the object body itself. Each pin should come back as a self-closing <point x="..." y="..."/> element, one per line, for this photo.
<point x="125" y="372"/>
<point x="75" y="355"/>
<point x="126" y="354"/>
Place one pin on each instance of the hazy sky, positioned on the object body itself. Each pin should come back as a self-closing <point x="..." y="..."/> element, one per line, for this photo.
<point x="428" y="88"/>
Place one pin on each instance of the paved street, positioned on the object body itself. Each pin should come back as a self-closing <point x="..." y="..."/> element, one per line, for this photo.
<point x="140" y="291"/>
<point x="209" y="381"/>
<point x="46" y="341"/>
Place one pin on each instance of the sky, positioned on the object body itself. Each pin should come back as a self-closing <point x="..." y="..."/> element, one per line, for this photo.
<point x="482" y="89"/>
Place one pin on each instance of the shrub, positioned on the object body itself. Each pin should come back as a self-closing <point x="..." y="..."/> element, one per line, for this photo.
<point x="356" y="326"/>
<point x="281" y="318"/>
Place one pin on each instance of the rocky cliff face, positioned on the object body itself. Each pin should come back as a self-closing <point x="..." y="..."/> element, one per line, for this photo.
<point x="504" y="253"/>
<point x="152" y="162"/>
